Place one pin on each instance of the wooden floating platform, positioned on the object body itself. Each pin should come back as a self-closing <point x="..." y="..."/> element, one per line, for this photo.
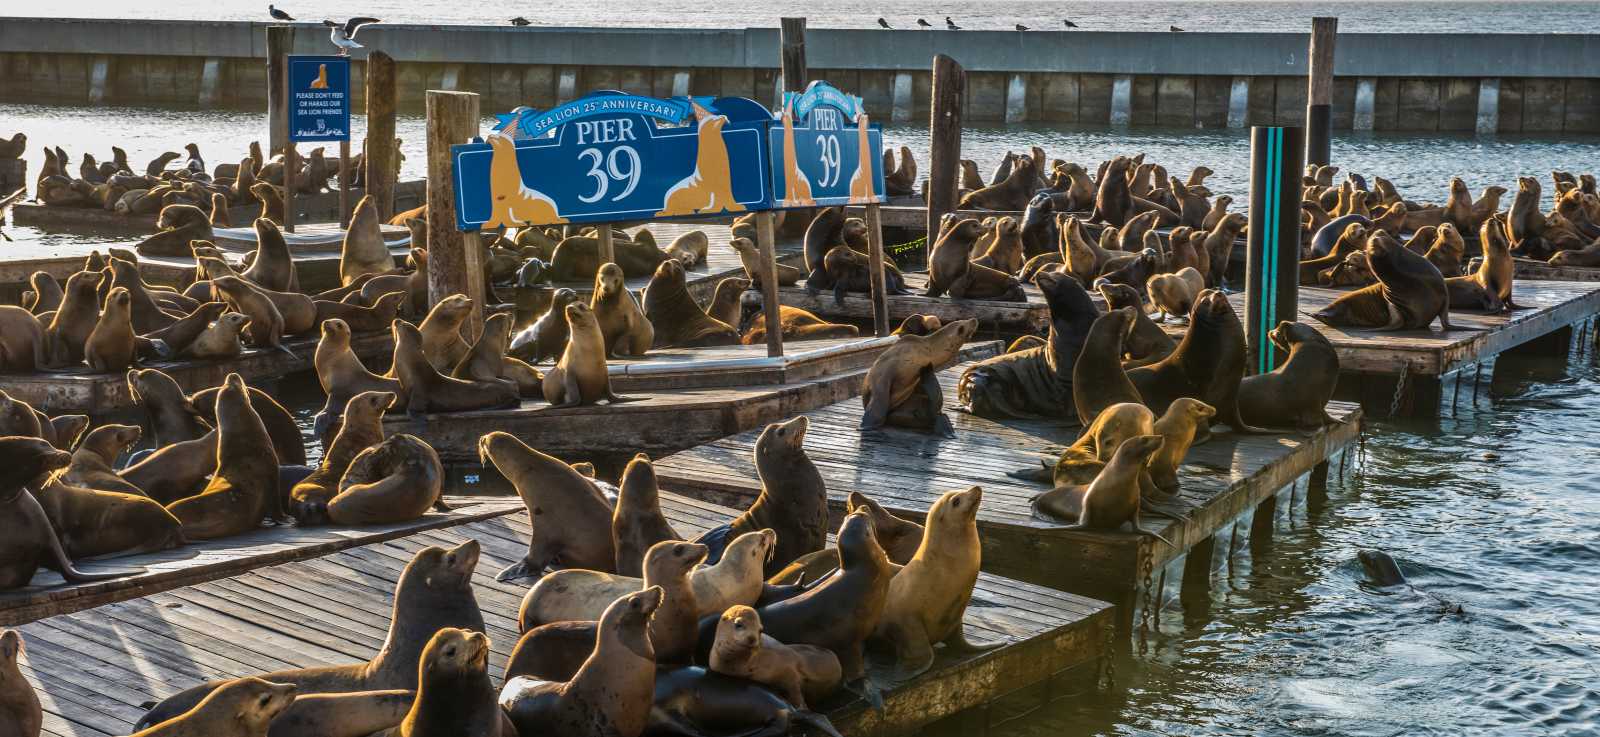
<point x="199" y="562"/>
<point x="695" y="396"/>
<point x="80" y="390"/>
<point x="308" y="237"/>
<point x="93" y="669"/>
<point x="1003" y="318"/>
<point x="308" y="209"/>
<point x="1533" y="270"/>
<point x="908" y="471"/>
<point x="316" y="268"/>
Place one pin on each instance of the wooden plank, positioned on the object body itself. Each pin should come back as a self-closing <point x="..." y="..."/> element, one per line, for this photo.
<point x="1532" y="270"/>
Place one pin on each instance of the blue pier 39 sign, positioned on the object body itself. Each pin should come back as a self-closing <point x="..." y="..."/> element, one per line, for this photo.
<point x="825" y="151"/>
<point x="611" y="157"/>
<point x="319" y="98"/>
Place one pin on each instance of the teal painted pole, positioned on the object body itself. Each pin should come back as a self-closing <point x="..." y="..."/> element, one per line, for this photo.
<point x="1272" y="259"/>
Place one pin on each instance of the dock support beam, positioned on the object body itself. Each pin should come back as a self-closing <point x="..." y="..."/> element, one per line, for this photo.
<point x="944" y="140"/>
<point x="451" y="79"/>
<point x="792" y="48"/>
<point x="1121" y="100"/>
<point x="567" y="85"/>
<point x="680" y="84"/>
<point x="381" y="149"/>
<point x="210" y="82"/>
<point x="1488" y="122"/>
<point x="903" y="105"/>
<point x="1272" y="258"/>
<point x="280" y="39"/>
<point x="1017" y="99"/>
<point x="1239" y="102"/>
<point x="1366" y="94"/>
<point x="455" y="259"/>
<point x="99" y="77"/>
<point x="1319" y="91"/>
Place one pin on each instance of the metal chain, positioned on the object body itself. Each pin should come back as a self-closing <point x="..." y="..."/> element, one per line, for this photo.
<point x="1399" y="388"/>
<point x="1108" y="660"/>
<point x="1146" y="587"/>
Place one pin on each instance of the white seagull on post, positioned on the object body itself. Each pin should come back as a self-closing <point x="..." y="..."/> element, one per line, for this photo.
<point x="344" y="35"/>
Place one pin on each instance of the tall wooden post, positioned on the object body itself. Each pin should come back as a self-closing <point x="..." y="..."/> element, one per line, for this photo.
<point x="382" y="158"/>
<point x="280" y="39"/>
<point x="455" y="259"/>
<point x="944" y="140"/>
<point x="1272" y="258"/>
<point x="1319" y="93"/>
<point x="880" y="295"/>
<point x="792" y="42"/>
<point x="769" y="283"/>
<point x="344" y="184"/>
<point x="603" y="234"/>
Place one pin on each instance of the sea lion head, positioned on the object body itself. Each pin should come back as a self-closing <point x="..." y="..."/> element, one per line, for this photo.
<point x="233" y="322"/>
<point x="10" y="647"/>
<point x="669" y="272"/>
<point x="858" y="543"/>
<point x="108" y="441"/>
<point x="1140" y="447"/>
<point x="454" y="307"/>
<point x="742" y="246"/>
<point x="855" y="230"/>
<point x="562" y="298"/>
<point x="756" y="546"/>
<point x="29" y="461"/>
<point x="16" y="417"/>
<point x="1289" y="334"/>
<point x="454" y="652"/>
<point x="442" y="569"/>
<point x="337" y="330"/>
<point x="68" y="428"/>
<point x="898" y="537"/>
<point x="1064" y="294"/>
<point x="608" y="280"/>
<point x="918" y="325"/>
<point x="1381" y="247"/>
<point x="119" y="300"/>
<point x="739" y="629"/>
<point x="369" y="404"/>
<point x="956" y="510"/>
<point x="671" y="560"/>
<point x="628" y="617"/>
<point x="1007" y="226"/>
<point x="957" y="332"/>
<point x="1118" y="296"/>
<point x="249" y="703"/>
<point x="783" y="437"/>
<point x="1194" y="409"/>
<point x="966" y="231"/>
<point x="581" y="317"/>
<point x="1210" y="307"/>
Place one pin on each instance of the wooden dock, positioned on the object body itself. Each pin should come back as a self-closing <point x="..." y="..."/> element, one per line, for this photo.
<point x="1534" y="270"/>
<point x="907" y="472"/>
<point x="696" y="396"/>
<point x="92" y="669"/>
<point x="1007" y="319"/>
<point x="321" y="207"/>
<point x="81" y="390"/>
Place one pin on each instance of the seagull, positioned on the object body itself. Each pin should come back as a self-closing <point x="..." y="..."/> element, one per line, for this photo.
<point x="277" y="14"/>
<point x="1070" y="24"/>
<point x="924" y="23"/>
<point x="521" y="21"/>
<point x="1175" y="29"/>
<point x="344" y="36"/>
<point x="950" y="24"/>
<point x="1021" y="27"/>
<point x="884" y="24"/>
<point x="5" y="206"/>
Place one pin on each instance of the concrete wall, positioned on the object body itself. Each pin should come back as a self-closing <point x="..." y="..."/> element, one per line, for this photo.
<point x="1451" y="82"/>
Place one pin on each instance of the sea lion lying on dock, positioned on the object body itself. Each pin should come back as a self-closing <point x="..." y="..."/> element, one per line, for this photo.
<point x="902" y="386"/>
<point x="177" y="225"/>
<point x="1036" y="381"/>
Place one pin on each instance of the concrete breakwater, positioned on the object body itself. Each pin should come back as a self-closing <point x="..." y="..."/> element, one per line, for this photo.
<point x="1487" y="83"/>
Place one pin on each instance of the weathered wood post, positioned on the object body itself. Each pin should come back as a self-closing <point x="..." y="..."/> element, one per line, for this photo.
<point x="880" y="294"/>
<point x="944" y="140"/>
<point x="1272" y="259"/>
<point x="382" y="156"/>
<point x="792" y="43"/>
<point x="769" y="283"/>
<point x="344" y="184"/>
<point x="1319" y="94"/>
<point x="603" y="234"/>
<point x="455" y="259"/>
<point x="280" y="39"/>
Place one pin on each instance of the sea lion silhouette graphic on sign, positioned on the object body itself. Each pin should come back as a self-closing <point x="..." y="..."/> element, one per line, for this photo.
<point x="861" y="181"/>
<point x="321" y="82"/>
<point x="708" y="190"/>
<point x="516" y="204"/>
<point x="795" y="185"/>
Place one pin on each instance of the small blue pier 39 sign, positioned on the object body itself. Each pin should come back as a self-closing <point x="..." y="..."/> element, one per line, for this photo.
<point x="319" y="98"/>
<point x="825" y="151"/>
<point x="610" y="157"/>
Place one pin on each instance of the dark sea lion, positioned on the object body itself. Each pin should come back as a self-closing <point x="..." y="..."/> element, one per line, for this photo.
<point x="360" y="428"/>
<point x="609" y="694"/>
<point x="1112" y="499"/>
<point x="1113" y="201"/>
<point x="1207" y="364"/>
<point x="183" y="333"/>
<point x="571" y="519"/>
<point x="46" y="293"/>
<point x="426" y="390"/>
<point x="20" y="709"/>
<point x="1328" y="235"/>
<point x="902" y="386"/>
<point x="1296" y="394"/>
<point x="61" y="431"/>
<point x="1098" y="379"/>
<point x="30" y="540"/>
<point x="18" y="418"/>
<point x="94" y="522"/>
<point x="824" y="232"/>
<point x="110" y="347"/>
<point x="547" y="336"/>
<point x="1146" y="342"/>
<point x="244" y="487"/>
<point x="171" y="416"/>
<point x="798" y="673"/>
<point x="577" y="258"/>
<point x="343" y="715"/>
<point x="23" y="347"/>
<point x="695" y="701"/>
<point x="363" y="250"/>
<point x="1413" y="290"/>
<point x="1351" y="240"/>
<point x="92" y="460"/>
<point x="454" y="695"/>
<point x="950" y="268"/>
<point x="794" y="499"/>
<point x="298" y="311"/>
<point x="1011" y="193"/>
<point x="245" y="707"/>
<point x="361" y="318"/>
<point x="281" y="427"/>
<point x="395" y="481"/>
<point x="637" y="522"/>
<point x="434" y="592"/>
<point x="176" y="226"/>
<point x="1035" y="381"/>
<point x="677" y="319"/>
<point x="580" y="376"/>
<point x="623" y="325"/>
<point x="273" y="267"/>
<point x="1381" y="568"/>
<point x="727" y="303"/>
<point x="175" y="470"/>
<point x="849" y="271"/>
<point x="442" y="344"/>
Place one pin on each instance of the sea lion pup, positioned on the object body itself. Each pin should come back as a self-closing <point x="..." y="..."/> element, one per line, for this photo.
<point x="176" y="226"/>
<point x="174" y="471"/>
<point x="273" y="268"/>
<point x="1005" y="254"/>
<point x="793" y="501"/>
<point x="395" y="481"/>
<point x="547" y="336"/>
<point x="20" y="709"/>
<point x="928" y="597"/>
<point x="1496" y="271"/>
<point x="798" y="673"/>
<point x="1012" y="193"/>
<point x="727" y="303"/>
<point x="23" y="347"/>
<point x="1112" y="499"/>
<point x="610" y="694"/>
<point x="442" y="344"/>
<point x="750" y="259"/>
<point x="689" y="249"/>
<point x="902" y="386"/>
<point x="91" y="466"/>
<point x="110" y="345"/>
<point x="1035" y="381"/>
<point x="1174" y="294"/>
<point x="677" y="319"/>
<point x="244" y="487"/>
<point x="950" y="268"/>
<point x="363" y="250"/>
<point x="1411" y="290"/>
<point x="637" y="523"/>
<point x="1098" y="378"/>
<point x="342" y="375"/>
<point x="30" y="540"/>
<point x="426" y="390"/>
<point x="1296" y="394"/>
<point x="580" y="376"/>
<point x="94" y="522"/>
<point x="359" y="317"/>
<point x="623" y="326"/>
<point x="1080" y="462"/>
<point x="241" y="708"/>
<point x="569" y="512"/>
<point x="1146" y="342"/>
<point x="361" y="428"/>
<point x="219" y="211"/>
<point x="434" y="592"/>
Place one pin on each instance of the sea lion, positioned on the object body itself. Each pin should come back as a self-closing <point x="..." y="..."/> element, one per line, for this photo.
<point x="244" y="487"/>
<point x="298" y="311"/>
<point x="23" y="347"/>
<point x="454" y="695"/>
<point x="1329" y="235"/>
<point x="61" y="431"/>
<point x="357" y="714"/>
<point x="110" y="346"/>
<point x="20" y="710"/>
<point x="30" y="540"/>
<point x="1207" y="364"/>
<point x="902" y="386"/>
<point x="577" y="258"/>
<point x="1113" y="200"/>
<point x="570" y="516"/>
<point x="1496" y="272"/>
<point x="794" y="499"/>
<point x="363" y="250"/>
<point x="1112" y="499"/>
<point x="434" y="592"/>
<point x="928" y="597"/>
<point x="580" y="376"/>
<point x="623" y="326"/>
<point x="394" y="481"/>
<point x="359" y="317"/>
<point x="1352" y="239"/>
<point x="727" y="301"/>
<point x="442" y="343"/>
<point x="1177" y="427"/>
<point x="94" y="522"/>
<point x="1036" y="381"/>
<point x="426" y="390"/>
<point x="342" y="375"/>
<point x="69" y="329"/>
<point x="950" y="268"/>
<point x="822" y="234"/>
<point x="796" y="324"/>
<point x="46" y="293"/>
<point x="361" y="427"/>
<point x="176" y="226"/>
<point x="1174" y="294"/>
<point x="547" y="336"/>
<point x="1219" y="246"/>
<point x="271" y="198"/>
<point x="677" y="319"/>
<point x="1412" y="289"/>
<point x="91" y="466"/>
<point x="1011" y="193"/>
<point x="414" y="283"/>
<point x="798" y="673"/>
<point x="222" y="339"/>
<point x="273" y="267"/>
<point x="1005" y="253"/>
<point x="19" y="418"/>
<point x="241" y="708"/>
<point x="637" y="522"/>
<point x="848" y="270"/>
<point x="1080" y="462"/>
<point x="750" y="259"/>
<point x="1146" y="342"/>
<point x="1295" y="394"/>
<point x="610" y="694"/>
<point x="265" y="325"/>
<point x="689" y="249"/>
<point x="280" y="424"/>
<point x="690" y="701"/>
<point x="1098" y="379"/>
<point x="171" y="416"/>
<point x="146" y="314"/>
<point x="180" y="335"/>
<point x="487" y="359"/>
<point x="176" y="470"/>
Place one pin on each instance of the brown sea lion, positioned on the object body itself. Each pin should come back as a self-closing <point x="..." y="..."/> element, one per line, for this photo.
<point x="677" y="319"/>
<point x="1005" y="253"/>
<point x="1412" y="289"/>
<point x="454" y="695"/>
<point x="244" y="487"/>
<point x="61" y="431"/>
<point x="1146" y="342"/>
<point x="1113" y="201"/>
<point x="43" y="294"/>
<point x="18" y="418"/>
<point x="359" y="317"/>
<point x="181" y="334"/>
<point x="750" y="258"/>
<point x="94" y="522"/>
<point x="1219" y="246"/>
<point x="363" y="250"/>
<point x="950" y="268"/>
<point x="241" y="708"/>
<point x="1207" y="364"/>
<point x="414" y="283"/>
<point x="298" y="311"/>
<point x="1036" y="381"/>
<point x="1012" y="193"/>
<point x="1174" y="294"/>
<point x="487" y="360"/>
<point x="1497" y="271"/>
<point x="1177" y="427"/>
<point x="222" y="339"/>
<point x="280" y="424"/>
<point x="30" y="540"/>
<point x="727" y="301"/>
<point x="902" y="386"/>
<point x="1112" y="499"/>
<point x="434" y="592"/>
<point x="23" y="347"/>
<point x="394" y="481"/>
<point x="442" y="343"/>
<point x="580" y="376"/>
<point x="547" y="336"/>
<point x="1446" y="251"/>
<point x="689" y="249"/>
<point x="145" y="313"/>
<point x="176" y="226"/>
<point x="794" y="499"/>
<point x="578" y="258"/>
<point x="271" y="198"/>
<point x="798" y="324"/>
<point x="357" y="714"/>
<point x="1098" y="378"/>
<point x="176" y="470"/>
<point x="265" y="326"/>
<point x="799" y="673"/>
<point x="1295" y="394"/>
<point x="1080" y="462"/>
<point x="20" y="710"/>
<point x="637" y="522"/>
<point x="571" y="518"/>
<point x="360" y="428"/>
<point x="92" y="460"/>
<point x="273" y="267"/>
<point x="171" y="416"/>
<point x="623" y="326"/>
<point x="342" y="375"/>
<point x="110" y="345"/>
<point x="426" y="390"/>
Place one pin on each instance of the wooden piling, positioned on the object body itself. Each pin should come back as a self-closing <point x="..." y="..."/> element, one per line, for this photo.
<point x="455" y="259"/>
<point x="1319" y="92"/>
<point x="603" y="234"/>
<point x="290" y="164"/>
<point x="944" y="139"/>
<point x="792" y="41"/>
<point x="880" y="295"/>
<point x="280" y="39"/>
<point x="344" y="184"/>
<point x="769" y="283"/>
<point x="382" y="154"/>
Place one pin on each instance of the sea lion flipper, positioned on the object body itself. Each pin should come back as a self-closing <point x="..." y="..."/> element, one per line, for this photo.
<point x="1134" y="521"/>
<point x="616" y="399"/>
<point x="958" y="641"/>
<point x="440" y="505"/>
<point x="1044" y="474"/>
<point x="867" y="690"/>
<point x="913" y="654"/>
<point x="35" y="513"/>
<point x="876" y="412"/>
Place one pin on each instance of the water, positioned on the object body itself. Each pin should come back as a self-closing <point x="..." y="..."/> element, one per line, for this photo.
<point x="1095" y="15"/>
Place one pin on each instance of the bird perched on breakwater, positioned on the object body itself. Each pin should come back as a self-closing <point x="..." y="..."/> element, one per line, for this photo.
<point x="344" y="35"/>
<point x="950" y="24"/>
<point x="884" y="24"/>
<point x="1069" y="24"/>
<point x="924" y="23"/>
<point x="5" y="207"/>
<point x="277" y="14"/>
<point x="521" y="21"/>
<point x="1175" y="29"/>
<point x="1021" y="27"/>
